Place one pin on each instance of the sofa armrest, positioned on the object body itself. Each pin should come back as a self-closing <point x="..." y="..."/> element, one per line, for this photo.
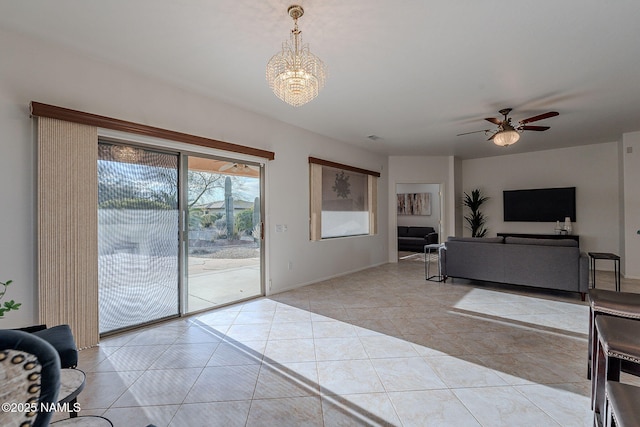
<point x="583" y="272"/>
<point x="442" y="255"/>
<point x="61" y="338"/>
<point x="431" y="238"/>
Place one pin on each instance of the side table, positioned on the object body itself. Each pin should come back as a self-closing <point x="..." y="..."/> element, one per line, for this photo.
<point x="72" y="382"/>
<point x="428" y="249"/>
<point x="593" y="256"/>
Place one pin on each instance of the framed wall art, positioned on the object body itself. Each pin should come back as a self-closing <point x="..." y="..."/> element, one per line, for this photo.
<point x="414" y="204"/>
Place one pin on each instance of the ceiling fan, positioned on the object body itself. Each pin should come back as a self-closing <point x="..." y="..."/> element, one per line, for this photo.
<point x="238" y="167"/>
<point x="508" y="134"/>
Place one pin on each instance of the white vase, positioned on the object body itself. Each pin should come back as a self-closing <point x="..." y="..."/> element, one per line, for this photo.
<point x="567" y="225"/>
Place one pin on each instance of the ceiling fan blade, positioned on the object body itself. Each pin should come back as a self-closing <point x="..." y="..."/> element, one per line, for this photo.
<point x="539" y="117"/>
<point x="536" y="128"/>
<point x="475" y="131"/>
<point x="494" y="120"/>
<point x="227" y="166"/>
<point x="492" y="136"/>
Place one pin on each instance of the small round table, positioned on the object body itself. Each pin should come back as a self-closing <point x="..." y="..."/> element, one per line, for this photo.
<point x="72" y="382"/>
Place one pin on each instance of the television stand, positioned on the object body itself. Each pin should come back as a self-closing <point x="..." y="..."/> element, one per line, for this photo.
<point x="542" y="236"/>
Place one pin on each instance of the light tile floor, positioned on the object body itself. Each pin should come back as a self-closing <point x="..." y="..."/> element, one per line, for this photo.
<point x="378" y="347"/>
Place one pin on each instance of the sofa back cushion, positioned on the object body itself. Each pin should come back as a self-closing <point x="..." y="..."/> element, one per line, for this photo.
<point x="542" y="265"/>
<point x="419" y="231"/>
<point x="543" y="242"/>
<point x="403" y="231"/>
<point x="475" y="258"/>
<point x="476" y="239"/>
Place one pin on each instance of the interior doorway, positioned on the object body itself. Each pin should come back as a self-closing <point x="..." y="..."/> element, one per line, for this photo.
<point x="428" y="214"/>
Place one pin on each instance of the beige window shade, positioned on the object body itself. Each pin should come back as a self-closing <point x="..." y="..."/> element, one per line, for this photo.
<point x="318" y="198"/>
<point x="68" y="227"/>
<point x="315" y="193"/>
<point x="373" y="204"/>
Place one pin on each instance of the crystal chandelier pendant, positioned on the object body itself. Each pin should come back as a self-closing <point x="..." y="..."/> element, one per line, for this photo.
<point x="295" y="74"/>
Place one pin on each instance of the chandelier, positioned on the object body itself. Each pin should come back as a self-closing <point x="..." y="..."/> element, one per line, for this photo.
<point x="295" y="74"/>
<point x="125" y="153"/>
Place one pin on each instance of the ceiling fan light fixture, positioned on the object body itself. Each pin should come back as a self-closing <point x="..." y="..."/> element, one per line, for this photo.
<point x="505" y="138"/>
<point x="295" y="74"/>
<point x="507" y="134"/>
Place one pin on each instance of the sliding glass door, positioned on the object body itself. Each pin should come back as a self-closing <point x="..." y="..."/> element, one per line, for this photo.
<point x="148" y="269"/>
<point x="138" y="245"/>
<point x="223" y="251"/>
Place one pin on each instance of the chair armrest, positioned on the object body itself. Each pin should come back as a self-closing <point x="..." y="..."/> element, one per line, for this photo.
<point x="32" y="329"/>
<point x="432" y="238"/>
<point x="61" y="338"/>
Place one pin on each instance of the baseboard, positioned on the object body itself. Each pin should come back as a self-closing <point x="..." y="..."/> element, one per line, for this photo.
<point x="346" y="273"/>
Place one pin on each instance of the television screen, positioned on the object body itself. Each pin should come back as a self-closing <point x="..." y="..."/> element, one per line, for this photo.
<point x="540" y="205"/>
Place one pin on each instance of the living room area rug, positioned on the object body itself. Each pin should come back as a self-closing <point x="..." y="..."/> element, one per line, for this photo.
<point x="415" y="256"/>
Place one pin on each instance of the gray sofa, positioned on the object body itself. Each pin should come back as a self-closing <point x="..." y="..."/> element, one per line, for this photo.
<point x="542" y="263"/>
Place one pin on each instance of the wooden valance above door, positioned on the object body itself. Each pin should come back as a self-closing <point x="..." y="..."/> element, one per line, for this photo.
<point x="39" y="109"/>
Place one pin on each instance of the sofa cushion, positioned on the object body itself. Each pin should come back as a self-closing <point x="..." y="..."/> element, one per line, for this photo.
<point x="403" y="231"/>
<point x="475" y="258"/>
<point x="476" y="239"/>
<point x="544" y="242"/>
<point x="419" y="231"/>
<point x="412" y="240"/>
<point x="544" y="266"/>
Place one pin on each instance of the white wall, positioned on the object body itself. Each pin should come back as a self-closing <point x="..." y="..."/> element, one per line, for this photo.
<point x="416" y="169"/>
<point x="35" y="70"/>
<point x="631" y="232"/>
<point x="592" y="169"/>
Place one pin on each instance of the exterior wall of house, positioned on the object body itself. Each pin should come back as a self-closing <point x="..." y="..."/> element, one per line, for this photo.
<point x="33" y="70"/>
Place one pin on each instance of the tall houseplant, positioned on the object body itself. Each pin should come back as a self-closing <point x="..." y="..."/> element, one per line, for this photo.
<point x="475" y="219"/>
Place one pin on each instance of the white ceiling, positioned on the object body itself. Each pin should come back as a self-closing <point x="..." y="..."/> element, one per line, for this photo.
<point x="414" y="73"/>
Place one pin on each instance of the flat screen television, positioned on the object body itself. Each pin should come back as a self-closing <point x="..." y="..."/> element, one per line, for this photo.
<point x="540" y="205"/>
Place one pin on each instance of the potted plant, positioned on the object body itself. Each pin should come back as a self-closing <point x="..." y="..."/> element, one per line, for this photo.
<point x="8" y="305"/>
<point x="475" y="219"/>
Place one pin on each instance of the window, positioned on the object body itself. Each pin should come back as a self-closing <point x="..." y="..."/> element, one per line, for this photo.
<point x="343" y="200"/>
